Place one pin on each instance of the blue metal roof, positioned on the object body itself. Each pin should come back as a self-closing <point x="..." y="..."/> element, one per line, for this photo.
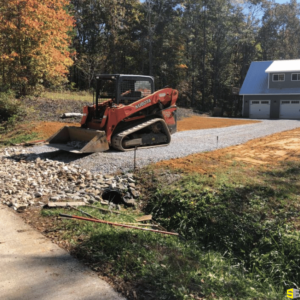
<point x="256" y="81"/>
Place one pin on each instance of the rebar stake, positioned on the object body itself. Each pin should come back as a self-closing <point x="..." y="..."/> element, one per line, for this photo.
<point x="134" y="161"/>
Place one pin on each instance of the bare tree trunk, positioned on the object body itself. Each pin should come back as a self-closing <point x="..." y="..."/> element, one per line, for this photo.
<point x="204" y="54"/>
<point x="193" y="91"/>
<point x="3" y="75"/>
<point x="150" y="33"/>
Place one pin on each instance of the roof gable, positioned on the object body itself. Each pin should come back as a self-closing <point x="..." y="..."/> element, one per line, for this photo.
<point x="256" y="81"/>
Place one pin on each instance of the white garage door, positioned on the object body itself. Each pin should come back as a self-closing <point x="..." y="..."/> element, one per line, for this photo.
<point x="260" y="109"/>
<point x="289" y="109"/>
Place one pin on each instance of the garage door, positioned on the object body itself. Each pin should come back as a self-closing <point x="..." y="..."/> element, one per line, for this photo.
<point x="289" y="109"/>
<point x="260" y="109"/>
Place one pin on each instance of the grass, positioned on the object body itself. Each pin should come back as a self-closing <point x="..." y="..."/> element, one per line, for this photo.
<point x="240" y="237"/>
<point x="18" y="138"/>
<point x="154" y="266"/>
<point x="251" y="216"/>
<point x="21" y="138"/>
<point x="66" y="95"/>
<point x="13" y="129"/>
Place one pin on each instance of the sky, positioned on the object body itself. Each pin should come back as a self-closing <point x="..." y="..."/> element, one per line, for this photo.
<point x="277" y="1"/>
<point x="282" y="1"/>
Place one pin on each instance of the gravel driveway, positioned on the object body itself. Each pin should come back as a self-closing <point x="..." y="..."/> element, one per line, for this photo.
<point x="182" y="144"/>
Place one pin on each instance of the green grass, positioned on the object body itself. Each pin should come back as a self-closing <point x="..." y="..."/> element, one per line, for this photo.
<point x="66" y="95"/>
<point x="239" y="239"/>
<point x="166" y="267"/>
<point x="250" y="219"/>
<point x="18" y="138"/>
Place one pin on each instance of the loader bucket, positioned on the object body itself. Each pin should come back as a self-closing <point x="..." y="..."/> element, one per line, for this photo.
<point x="79" y="140"/>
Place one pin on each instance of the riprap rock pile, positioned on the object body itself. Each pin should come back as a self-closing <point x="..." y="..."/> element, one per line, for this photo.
<point x="27" y="180"/>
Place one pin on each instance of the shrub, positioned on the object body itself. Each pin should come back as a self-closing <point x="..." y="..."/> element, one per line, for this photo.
<point x="11" y="110"/>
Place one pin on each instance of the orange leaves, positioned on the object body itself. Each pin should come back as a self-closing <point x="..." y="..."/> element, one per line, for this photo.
<point x="35" y="33"/>
<point x="9" y="57"/>
<point x="14" y="54"/>
<point x="4" y="57"/>
<point x="182" y="66"/>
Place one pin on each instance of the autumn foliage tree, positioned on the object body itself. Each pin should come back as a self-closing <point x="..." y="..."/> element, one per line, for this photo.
<point x="34" y="43"/>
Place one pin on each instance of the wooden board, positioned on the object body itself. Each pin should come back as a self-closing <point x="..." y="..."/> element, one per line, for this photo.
<point x="144" y="218"/>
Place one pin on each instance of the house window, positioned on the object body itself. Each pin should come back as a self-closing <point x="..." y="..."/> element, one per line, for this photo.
<point x="278" y="77"/>
<point x="296" y="77"/>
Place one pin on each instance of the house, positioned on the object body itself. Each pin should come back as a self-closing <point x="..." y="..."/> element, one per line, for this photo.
<point x="271" y="90"/>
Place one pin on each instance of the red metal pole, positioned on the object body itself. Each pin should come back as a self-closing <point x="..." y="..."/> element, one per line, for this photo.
<point x="117" y="224"/>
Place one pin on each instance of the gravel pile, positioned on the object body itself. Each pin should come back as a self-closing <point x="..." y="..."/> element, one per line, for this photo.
<point x="27" y="180"/>
<point x="182" y="144"/>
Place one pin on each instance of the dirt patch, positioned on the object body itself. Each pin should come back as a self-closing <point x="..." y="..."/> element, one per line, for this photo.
<point x="46" y="129"/>
<point x="270" y="150"/>
<point x="200" y="122"/>
<point x="43" y="109"/>
<point x="36" y="130"/>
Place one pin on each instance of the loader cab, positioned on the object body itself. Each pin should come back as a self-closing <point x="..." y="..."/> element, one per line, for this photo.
<point x="123" y="89"/>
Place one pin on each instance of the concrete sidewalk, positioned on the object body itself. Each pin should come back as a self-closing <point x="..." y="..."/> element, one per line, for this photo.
<point x="32" y="267"/>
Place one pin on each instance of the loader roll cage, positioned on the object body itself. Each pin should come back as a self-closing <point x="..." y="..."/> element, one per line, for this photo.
<point x="123" y="89"/>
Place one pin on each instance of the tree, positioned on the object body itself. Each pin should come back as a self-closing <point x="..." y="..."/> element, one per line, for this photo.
<point x="279" y="33"/>
<point x="161" y="39"/>
<point x="107" y="38"/>
<point x="34" y="43"/>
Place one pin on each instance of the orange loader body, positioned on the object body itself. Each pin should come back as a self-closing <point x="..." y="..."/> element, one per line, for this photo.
<point x="113" y="115"/>
<point x="127" y="114"/>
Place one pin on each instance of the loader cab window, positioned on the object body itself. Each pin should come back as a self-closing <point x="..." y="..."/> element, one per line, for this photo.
<point x="133" y="90"/>
<point x="107" y="90"/>
<point x="144" y="87"/>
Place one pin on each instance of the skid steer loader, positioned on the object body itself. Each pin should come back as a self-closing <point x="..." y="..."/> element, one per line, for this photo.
<point x="126" y="113"/>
